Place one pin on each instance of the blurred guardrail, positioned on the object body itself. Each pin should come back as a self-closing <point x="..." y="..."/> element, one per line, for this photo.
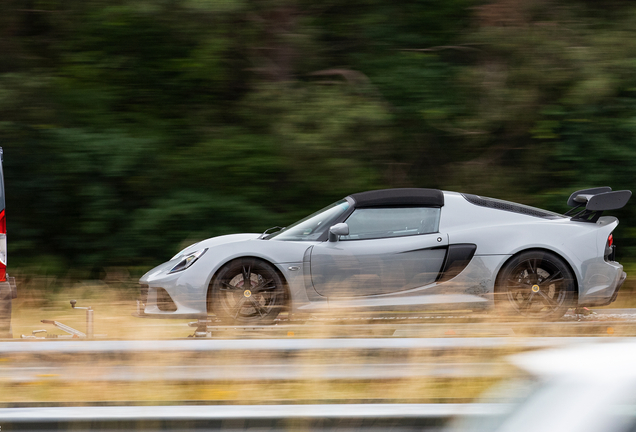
<point x="290" y="344"/>
<point x="361" y="417"/>
<point x="203" y="360"/>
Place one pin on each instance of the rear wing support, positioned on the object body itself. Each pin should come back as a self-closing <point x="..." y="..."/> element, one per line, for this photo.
<point x="595" y="201"/>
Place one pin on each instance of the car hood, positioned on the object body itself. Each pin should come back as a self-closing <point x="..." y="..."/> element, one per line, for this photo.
<point x="217" y="241"/>
<point x="209" y="243"/>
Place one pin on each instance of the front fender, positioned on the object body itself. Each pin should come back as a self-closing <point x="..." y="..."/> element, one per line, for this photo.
<point x="188" y="289"/>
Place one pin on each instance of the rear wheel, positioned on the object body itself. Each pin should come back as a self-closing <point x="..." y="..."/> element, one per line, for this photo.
<point x="537" y="285"/>
<point x="247" y="292"/>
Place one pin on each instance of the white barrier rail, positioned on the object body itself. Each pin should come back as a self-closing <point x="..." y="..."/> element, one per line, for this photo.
<point x="402" y="417"/>
<point x="207" y="345"/>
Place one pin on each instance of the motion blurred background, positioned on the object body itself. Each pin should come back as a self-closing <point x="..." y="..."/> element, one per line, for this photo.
<point x="132" y="127"/>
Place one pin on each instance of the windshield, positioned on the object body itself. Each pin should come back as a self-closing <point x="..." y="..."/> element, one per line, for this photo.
<point x="313" y="226"/>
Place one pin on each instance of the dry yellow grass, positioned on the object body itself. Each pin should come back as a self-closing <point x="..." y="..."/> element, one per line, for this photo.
<point x="51" y="390"/>
<point x="113" y="302"/>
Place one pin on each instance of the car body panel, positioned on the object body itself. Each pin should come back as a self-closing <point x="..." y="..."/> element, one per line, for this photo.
<point x="581" y="244"/>
<point x="400" y="273"/>
<point x="377" y="266"/>
<point x="8" y="290"/>
<point x="189" y="289"/>
<point x="585" y="388"/>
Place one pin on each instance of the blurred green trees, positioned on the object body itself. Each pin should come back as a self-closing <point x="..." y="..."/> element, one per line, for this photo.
<point x="131" y="127"/>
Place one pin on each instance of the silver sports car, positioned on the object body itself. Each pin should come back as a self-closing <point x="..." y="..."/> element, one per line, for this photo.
<point x="401" y="250"/>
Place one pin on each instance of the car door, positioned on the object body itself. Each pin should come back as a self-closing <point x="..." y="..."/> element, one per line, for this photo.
<point x="387" y="250"/>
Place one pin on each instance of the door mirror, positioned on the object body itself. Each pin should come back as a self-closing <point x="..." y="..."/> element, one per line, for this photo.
<point x="337" y="230"/>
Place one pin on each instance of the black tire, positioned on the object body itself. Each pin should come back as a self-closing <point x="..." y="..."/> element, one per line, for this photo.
<point x="535" y="284"/>
<point x="233" y="304"/>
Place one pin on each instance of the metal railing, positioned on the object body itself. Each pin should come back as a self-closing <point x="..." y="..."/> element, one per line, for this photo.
<point x="271" y="345"/>
<point x="396" y="417"/>
<point x="259" y="359"/>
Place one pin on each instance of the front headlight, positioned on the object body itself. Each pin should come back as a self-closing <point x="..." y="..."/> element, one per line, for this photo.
<point x="188" y="260"/>
<point x="183" y="250"/>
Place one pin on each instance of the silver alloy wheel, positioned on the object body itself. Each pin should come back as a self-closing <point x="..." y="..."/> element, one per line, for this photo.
<point x="536" y="284"/>
<point x="247" y="291"/>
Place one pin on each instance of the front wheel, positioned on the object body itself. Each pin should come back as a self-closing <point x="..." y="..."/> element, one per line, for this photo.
<point x="536" y="285"/>
<point x="246" y="292"/>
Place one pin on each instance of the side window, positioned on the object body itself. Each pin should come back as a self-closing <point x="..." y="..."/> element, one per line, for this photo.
<point x="375" y="223"/>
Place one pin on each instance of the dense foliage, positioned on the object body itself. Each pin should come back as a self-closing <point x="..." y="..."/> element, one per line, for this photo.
<point x="131" y="127"/>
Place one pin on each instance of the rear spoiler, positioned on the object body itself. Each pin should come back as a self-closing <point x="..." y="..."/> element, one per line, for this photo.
<point x="595" y="201"/>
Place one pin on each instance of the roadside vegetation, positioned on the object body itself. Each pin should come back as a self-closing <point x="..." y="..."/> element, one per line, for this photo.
<point x="132" y="128"/>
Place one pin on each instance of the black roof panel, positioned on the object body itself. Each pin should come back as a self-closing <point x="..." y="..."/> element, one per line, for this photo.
<point x="510" y="206"/>
<point x="399" y="197"/>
